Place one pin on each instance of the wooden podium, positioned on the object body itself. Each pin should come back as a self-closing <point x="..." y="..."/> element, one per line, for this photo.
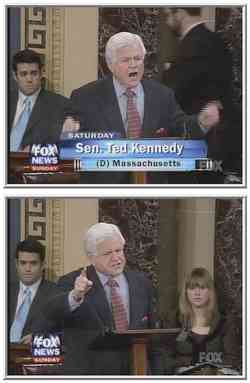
<point x="18" y="355"/>
<point x="139" y="178"/>
<point x="137" y="342"/>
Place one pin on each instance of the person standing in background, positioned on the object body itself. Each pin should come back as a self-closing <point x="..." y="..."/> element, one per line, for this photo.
<point x="202" y="72"/>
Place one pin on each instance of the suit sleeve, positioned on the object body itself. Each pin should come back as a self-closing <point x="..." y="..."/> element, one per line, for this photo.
<point x="57" y="308"/>
<point x="177" y="123"/>
<point x="78" y="105"/>
<point x="66" y="284"/>
<point x="203" y="70"/>
<point x="181" y="77"/>
<point x="43" y="323"/>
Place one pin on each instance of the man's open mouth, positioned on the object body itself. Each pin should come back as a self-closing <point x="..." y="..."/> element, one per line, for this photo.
<point x="133" y="74"/>
<point x="117" y="265"/>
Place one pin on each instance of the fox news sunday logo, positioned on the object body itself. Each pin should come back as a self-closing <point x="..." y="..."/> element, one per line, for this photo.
<point x="47" y="348"/>
<point x="44" y="158"/>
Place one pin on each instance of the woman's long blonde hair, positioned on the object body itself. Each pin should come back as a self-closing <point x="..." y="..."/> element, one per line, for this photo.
<point x="202" y="278"/>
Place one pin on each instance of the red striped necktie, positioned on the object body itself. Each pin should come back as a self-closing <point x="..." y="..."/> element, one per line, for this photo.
<point x="134" y="122"/>
<point x="118" y="309"/>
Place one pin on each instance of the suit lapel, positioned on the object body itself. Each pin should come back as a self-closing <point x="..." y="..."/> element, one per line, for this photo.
<point x="134" y="304"/>
<point x="37" y="113"/>
<point x="13" y="300"/>
<point x="36" y="303"/>
<point x="110" y="106"/>
<point x="98" y="299"/>
<point x="151" y="115"/>
<point x="12" y="111"/>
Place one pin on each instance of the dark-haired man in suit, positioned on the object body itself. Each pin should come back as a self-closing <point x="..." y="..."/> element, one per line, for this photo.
<point x="35" y="115"/>
<point x="201" y="73"/>
<point x="104" y="297"/>
<point x="28" y="296"/>
<point x="131" y="107"/>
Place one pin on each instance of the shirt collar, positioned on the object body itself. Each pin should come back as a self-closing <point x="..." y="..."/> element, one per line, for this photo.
<point x="32" y="97"/>
<point x="32" y="287"/>
<point x="104" y="278"/>
<point x="190" y="28"/>
<point x="121" y="89"/>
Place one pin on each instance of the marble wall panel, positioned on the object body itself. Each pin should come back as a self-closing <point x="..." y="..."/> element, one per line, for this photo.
<point x="229" y="25"/>
<point x="138" y="221"/>
<point x="228" y="263"/>
<point x="142" y="21"/>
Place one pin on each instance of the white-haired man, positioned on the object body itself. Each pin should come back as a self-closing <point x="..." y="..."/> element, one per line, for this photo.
<point x="105" y="105"/>
<point x="103" y="297"/>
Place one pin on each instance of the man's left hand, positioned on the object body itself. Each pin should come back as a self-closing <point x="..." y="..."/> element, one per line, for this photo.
<point x="70" y="125"/>
<point x="27" y="339"/>
<point x="209" y="116"/>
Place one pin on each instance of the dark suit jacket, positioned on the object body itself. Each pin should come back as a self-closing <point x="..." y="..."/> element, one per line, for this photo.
<point x="97" y="107"/>
<point x="46" y="120"/>
<point x="92" y="318"/>
<point x="35" y="321"/>
<point x="202" y="71"/>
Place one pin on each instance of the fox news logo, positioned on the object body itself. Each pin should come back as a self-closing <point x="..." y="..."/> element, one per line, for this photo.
<point x="47" y="348"/>
<point x="44" y="154"/>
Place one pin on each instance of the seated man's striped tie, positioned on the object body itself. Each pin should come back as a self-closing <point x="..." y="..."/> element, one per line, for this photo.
<point x="134" y="122"/>
<point x="118" y="309"/>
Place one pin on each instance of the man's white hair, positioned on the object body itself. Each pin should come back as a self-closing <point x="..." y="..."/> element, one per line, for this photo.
<point x="99" y="233"/>
<point x="121" y="40"/>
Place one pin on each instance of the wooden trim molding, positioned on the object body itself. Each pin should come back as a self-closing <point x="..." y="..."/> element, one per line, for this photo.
<point x="43" y="219"/>
<point x="56" y="238"/>
<point x="42" y="29"/>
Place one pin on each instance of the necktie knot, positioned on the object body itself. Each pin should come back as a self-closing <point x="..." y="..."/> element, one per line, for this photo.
<point x="27" y="103"/>
<point x="112" y="282"/>
<point x="27" y="292"/>
<point x="130" y="93"/>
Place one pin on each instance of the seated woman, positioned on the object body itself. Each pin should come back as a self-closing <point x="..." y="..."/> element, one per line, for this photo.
<point x="206" y="336"/>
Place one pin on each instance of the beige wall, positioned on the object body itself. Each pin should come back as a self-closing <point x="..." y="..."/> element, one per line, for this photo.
<point x="60" y="224"/>
<point x="196" y="231"/>
<point x="79" y="215"/>
<point x="208" y="14"/>
<point x="80" y="47"/>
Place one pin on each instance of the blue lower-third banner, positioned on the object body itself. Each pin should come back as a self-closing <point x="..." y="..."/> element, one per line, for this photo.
<point x="133" y="155"/>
